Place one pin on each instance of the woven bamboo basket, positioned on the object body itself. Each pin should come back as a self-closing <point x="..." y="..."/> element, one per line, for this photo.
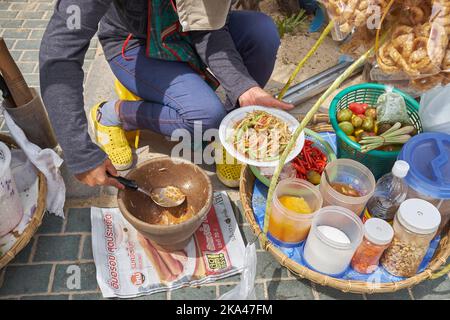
<point x="246" y="192"/>
<point x="35" y="222"/>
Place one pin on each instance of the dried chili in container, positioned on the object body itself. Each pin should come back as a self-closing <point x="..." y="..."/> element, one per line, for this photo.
<point x="378" y="235"/>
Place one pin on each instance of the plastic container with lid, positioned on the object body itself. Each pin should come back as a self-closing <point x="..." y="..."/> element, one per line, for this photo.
<point x="335" y="234"/>
<point x="415" y="225"/>
<point x="351" y="173"/>
<point x="428" y="155"/>
<point x="378" y="235"/>
<point x="287" y="227"/>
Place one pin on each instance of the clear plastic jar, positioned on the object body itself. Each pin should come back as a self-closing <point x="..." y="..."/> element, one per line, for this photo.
<point x="335" y="234"/>
<point x="377" y="237"/>
<point x="287" y="226"/>
<point x="415" y="225"/>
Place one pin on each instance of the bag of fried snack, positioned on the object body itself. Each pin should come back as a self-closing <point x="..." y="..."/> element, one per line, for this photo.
<point x="350" y="14"/>
<point x="418" y="47"/>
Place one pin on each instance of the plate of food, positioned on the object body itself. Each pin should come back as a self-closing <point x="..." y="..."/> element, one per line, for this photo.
<point x="258" y="135"/>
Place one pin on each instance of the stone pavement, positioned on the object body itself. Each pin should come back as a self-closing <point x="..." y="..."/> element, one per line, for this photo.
<point x="42" y="269"/>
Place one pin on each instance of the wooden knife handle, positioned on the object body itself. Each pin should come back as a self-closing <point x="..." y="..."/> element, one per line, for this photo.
<point x="19" y="89"/>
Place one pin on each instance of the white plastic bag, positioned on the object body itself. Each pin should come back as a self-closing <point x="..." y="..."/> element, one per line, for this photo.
<point x="245" y="290"/>
<point x="435" y="110"/>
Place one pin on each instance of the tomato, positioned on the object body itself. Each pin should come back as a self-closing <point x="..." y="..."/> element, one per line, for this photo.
<point x="358" y="108"/>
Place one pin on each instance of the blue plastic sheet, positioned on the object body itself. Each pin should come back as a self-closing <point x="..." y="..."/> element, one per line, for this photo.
<point x="295" y="253"/>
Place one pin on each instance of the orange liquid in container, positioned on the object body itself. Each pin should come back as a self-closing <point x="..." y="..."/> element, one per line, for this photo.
<point x="290" y="230"/>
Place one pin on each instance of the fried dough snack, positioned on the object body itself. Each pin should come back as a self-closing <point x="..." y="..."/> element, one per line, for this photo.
<point x="424" y="84"/>
<point x="352" y="13"/>
<point x="417" y="51"/>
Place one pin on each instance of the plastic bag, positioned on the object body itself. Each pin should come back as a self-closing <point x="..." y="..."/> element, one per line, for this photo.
<point x="391" y="108"/>
<point x="418" y="48"/>
<point x="435" y="110"/>
<point x="245" y="290"/>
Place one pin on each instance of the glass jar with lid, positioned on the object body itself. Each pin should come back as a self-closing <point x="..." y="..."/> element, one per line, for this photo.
<point x="415" y="225"/>
<point x="378" y="235"/>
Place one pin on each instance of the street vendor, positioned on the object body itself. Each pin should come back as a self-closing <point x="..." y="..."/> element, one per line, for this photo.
<point x="172" y="54"/>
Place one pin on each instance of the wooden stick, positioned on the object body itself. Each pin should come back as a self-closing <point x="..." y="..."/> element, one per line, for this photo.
<point x="19" y="89"/>
<point x="347" y="73"/>
<point x="302" y="62"/>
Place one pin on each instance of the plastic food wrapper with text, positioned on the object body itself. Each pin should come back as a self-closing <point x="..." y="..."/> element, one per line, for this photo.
<point x="128" y="265"/>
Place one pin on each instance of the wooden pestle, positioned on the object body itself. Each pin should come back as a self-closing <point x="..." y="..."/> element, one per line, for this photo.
<point x="20" y="92"/>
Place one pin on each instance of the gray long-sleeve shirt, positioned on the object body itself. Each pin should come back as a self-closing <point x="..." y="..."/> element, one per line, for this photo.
<point x="62" y="55"/>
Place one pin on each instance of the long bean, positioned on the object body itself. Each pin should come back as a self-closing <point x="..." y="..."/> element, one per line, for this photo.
<point x="347" y="73"/>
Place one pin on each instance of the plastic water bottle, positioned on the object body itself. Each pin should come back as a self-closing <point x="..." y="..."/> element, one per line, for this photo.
<point x="390" y="192"/>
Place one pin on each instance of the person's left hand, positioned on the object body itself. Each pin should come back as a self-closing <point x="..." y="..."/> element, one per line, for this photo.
<point x="258" y="97"/>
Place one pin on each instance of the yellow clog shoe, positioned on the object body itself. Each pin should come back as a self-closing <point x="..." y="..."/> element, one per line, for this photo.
<point x="113" y="141"/>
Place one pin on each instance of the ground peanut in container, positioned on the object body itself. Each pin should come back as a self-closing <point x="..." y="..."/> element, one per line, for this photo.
<point x="415" y="225"/>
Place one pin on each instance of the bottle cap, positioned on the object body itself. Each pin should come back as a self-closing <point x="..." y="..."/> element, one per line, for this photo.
<point x="400" y="169"/>
<point x="378" y="231"/>
<point x="419" y="216"/>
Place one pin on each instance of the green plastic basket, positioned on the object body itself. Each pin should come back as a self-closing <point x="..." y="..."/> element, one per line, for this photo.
<point x="318" y="142"/>
<point x="379" y="162"/>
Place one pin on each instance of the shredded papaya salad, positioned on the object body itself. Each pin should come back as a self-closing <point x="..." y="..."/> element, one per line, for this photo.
<point x="261" y="136"/>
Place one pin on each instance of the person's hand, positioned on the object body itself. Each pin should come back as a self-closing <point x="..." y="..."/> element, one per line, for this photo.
<point x="98" y="176"/>
<point x="258" y="97"/>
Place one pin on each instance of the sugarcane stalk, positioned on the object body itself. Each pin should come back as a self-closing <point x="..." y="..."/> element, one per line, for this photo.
<point x="302" y="62"/>
<point x="347" y="73"/>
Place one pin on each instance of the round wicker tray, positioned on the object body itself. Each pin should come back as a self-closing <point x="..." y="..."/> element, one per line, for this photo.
<point x="35" y="222"/>
<point x="441" y="255"/>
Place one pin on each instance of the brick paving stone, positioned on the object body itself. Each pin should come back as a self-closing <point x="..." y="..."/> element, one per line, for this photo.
<point x="57" y="248"/>
<point x="290" y="290"/>
<point x="46" y="297"/>
<point x="78" y="220"/>
<point x="27" y="44"/>
<point x="87" y="296"/>
<point x="259" y="290"/>
<point x="35" y="23"/>
<point x="438" y="289"/>
<point x="64" y="275"/>
<point x="30" y="55"/>
<point x="154" y="296"/>
<point x="51" y="224"/>
<point x="87" y="249"/>
<point x="24" y="255"/>
<point x="248" y="235"/>
<point x="6" y="23"/>
<point x="10" y="14"/>
<point x="27" y="67"/>
<point x="20" y="280"/>
<point x="328" y="293"/>
<point x="36" y="34"/>
<point x="16" y="34"/>
<point x="267" y="267"/>
<point x="30" y="14"/>
<point x="194" y="293"/>
<point x="5" y="5"/>
<point x="234" y="279"/>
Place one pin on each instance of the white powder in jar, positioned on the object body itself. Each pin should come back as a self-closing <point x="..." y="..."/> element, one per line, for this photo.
<point x="325" y="257"/>
<point x="334" y="234"/>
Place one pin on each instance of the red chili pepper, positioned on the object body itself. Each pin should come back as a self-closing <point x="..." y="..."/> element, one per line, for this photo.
<point x="358" y="108"/>
<point x="310" y="158"/>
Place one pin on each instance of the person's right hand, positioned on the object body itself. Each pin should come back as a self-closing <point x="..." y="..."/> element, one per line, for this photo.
<point x="98" y="176"/>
